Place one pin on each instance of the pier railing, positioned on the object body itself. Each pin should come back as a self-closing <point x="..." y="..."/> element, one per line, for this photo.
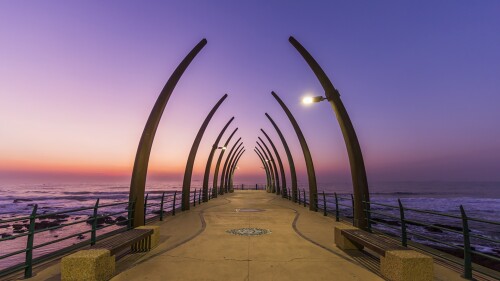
<point x="249" y="187"/>
<point x="99" y="221"/>
<point x="403" y="223"/>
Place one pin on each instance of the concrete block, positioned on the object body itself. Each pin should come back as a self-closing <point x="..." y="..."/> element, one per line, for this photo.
<point x="342" y="242"/>
<point x="407" y="265"/>
<point x="148" y="243"/>
<point x="88" y="265"/>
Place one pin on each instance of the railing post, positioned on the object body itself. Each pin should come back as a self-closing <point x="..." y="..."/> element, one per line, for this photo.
<point x="161" y="206"/>
<point x="289" y="194"/>
<point x="145" y="206"/>
<point x="299" y="196"/>
<point x="199" y="197"/>
<point x="173" y="205"/>
<point x="130" y="214"/>
<point x="404" y="238"/>
<point x="352" y="204"/>
<point x="209" y="193"/>
<point x="29" y="245"/>
<point x="337" y="218"/>
<point x="324" y="204"/>
<point x="94" y="223"/>
<point x="304" y="192"/>
<point x="194" y="198"/>
<point x="467" y="249"/>
<point x="368" y="215"/>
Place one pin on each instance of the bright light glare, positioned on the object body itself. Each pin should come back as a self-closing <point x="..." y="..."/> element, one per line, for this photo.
<point x="307" y="100"/>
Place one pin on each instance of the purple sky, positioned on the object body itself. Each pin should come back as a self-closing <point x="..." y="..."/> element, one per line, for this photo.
<point x="419" y="79"/>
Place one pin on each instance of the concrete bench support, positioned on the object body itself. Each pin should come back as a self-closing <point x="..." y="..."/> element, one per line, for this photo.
<point x="406" y="265"/>
<point x="342" y="242"/>
<point x="98" y="264"/>
<point x="88" y="265"/>
<point x="396" y="263"/>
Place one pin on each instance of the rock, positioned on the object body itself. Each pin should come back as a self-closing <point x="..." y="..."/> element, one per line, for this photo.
<point x="100" y="220"/>
<point x="56" y="216"/>
<point x="109" y="220"/>
<point x="81" y="237"/>
<point x="121" y="220"/>
<point x="5" y="235"/>
<point x="4" y="225"/>
<point x="21" y="200"/>
<point x="433" y="229"/>
<point x="17" y="226"/>
<point x="46" y="224"/>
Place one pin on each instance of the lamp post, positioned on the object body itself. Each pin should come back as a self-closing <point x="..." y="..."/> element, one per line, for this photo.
<point x="358" y="172"/>
<point x="186" y="183"/>
<point x="224" y="169"/>
<point x="275" y="169"/>
<point x="293" y="174"/>
<point x="210" y="157"/>
<point x="217" y="166"/>
<point x="264" y="166"/>
<point x="311" y="176"/>
<point x="280" y="164"/>
<point x="140" y="170"/>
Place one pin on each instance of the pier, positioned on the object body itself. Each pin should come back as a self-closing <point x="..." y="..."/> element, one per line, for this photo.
<point x="198" y="245"/>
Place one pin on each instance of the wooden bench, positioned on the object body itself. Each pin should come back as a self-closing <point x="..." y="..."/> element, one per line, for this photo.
<point x="130" y="238"/>
<point x="98" y="263"/>
<point x="371" y="241"/>
<point x="396" y="262"/>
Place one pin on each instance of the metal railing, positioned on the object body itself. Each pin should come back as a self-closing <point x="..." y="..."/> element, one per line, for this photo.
<point x="102" y="221"/>
<point x="396" y="220"/>
<point x="249" y="187"/>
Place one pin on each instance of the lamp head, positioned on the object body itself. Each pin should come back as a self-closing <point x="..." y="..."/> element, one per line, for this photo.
<point x="310" y="100"/>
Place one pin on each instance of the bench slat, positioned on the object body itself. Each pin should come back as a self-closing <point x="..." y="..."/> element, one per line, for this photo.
<point x="123" y="240"/>
<point x="373" y="242"/>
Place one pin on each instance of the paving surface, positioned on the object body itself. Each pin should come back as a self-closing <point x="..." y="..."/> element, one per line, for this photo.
<point x="199" y="245"/>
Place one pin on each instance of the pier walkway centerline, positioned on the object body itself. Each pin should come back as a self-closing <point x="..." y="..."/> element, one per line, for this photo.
<point x="196" y="245"/>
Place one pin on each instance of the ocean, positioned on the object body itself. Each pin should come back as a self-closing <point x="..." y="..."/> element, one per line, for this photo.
<point x="479" y="199"/>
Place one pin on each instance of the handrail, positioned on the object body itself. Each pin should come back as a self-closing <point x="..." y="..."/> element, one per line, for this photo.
<point x="167" y="203"/>
<point x="401" y="230"/>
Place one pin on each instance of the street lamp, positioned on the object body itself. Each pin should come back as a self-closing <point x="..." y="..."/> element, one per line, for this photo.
<point x="358" y="172"/>
<point x="310" y="100"/>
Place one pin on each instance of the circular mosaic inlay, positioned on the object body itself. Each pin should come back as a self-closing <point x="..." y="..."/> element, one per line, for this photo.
<point x="249" y="231"/>
<point x="249" y="210"/>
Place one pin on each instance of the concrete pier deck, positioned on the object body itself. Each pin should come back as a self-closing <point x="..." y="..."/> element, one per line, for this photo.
<point x="195" y="245"/>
